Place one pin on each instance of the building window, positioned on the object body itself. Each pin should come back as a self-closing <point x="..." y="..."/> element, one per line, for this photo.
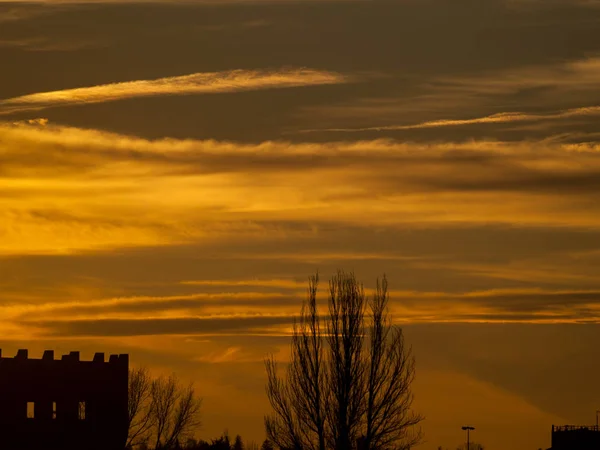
<point x="81" y="410"/>
<point x="30" y="410"/>
<point x="54" y="410"/>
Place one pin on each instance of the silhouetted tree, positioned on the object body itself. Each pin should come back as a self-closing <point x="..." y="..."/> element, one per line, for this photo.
<point x="139" y="418"/>
<point x="472" y="446"/>
<point x="346" y="375"/>
<point x="222" y="443"/>
<point x="238" y="444"/>
<point x="299" y="405"/>
<point x="191" y="443"/>
<point x="348" y="383"/>
<point x="391" y="370"/>
<point x="174" y="411"/>
<point x="203" y="445"/>
<point x="161" y="411"/>
<point x="267" y="445"/>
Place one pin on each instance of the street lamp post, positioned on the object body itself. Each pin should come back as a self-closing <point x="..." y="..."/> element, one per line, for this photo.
<point x="597" y="411"/>
<point x="468" y="429"/>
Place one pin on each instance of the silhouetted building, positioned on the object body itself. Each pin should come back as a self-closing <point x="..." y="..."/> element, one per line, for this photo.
<point x="63" y="404"/>
<point x="575" y="437"/>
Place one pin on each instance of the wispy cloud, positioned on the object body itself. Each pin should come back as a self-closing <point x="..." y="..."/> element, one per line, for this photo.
<point x="256" y="313"/>
<point x="540" y="93"/>
<point x="13" y="11"/>
<point x="504" y="117"/>
<point x="68" y="189"/>
<point x="42" y="44"/>
<point x="197" y="83"/>
<point x="249" y="324"/>
<point x="281" y="284"/>
<point x="578" y="75"/>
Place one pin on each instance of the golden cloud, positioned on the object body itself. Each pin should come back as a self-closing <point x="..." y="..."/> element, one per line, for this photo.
<point x="552" y="85"/>
<point x="196" y="83"/>
<point x="504" y="117"/>
<point x="259" y="313"/>
<point x="68" y="189"/>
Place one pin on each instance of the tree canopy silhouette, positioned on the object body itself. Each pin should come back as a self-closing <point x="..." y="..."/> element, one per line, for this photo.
<point x="162" y="411"/>
<point x="472" y="446"/>
<point x="348" y="385"/>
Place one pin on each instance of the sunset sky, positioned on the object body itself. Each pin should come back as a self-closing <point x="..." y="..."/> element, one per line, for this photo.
<point x="171" y="173"/>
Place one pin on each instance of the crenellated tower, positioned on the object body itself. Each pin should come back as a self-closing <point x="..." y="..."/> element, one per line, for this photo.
<point x="63" y="403"/>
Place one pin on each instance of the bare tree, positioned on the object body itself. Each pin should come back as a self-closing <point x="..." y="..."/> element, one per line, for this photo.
<point x="238" y="443"/>
<point x="161" y="410"/>
<point x="139" y="417"/>
<point x="391" y="367"/>
<point x="267" y="445"/>
<point x="345" y="333"/>
<point x="307" y="370"/>
<point x="300" y="424"/>
<point x="352" y="392"/>
<point x="283" y="427"/>
<point x="174" y="411"/>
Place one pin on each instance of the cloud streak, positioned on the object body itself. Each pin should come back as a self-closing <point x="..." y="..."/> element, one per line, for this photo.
<point x="544" y="93"/>
<point x="498" y="118"/>
<point x="257" y="324"/>
<point x="197" y="83"/>
<point x="66" y="189"/>
<point x="256" y="313"/>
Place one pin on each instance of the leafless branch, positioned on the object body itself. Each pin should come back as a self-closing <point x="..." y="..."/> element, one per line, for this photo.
<point x="347" y="385"/>
<point x="139" y="417"/>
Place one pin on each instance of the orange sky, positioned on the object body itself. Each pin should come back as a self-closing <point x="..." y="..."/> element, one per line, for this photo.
<point x="172" y="172"/>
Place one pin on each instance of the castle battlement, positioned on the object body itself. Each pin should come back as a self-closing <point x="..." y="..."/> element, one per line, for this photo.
<point x="23" y="355"/>
<point x="65" y="403"/>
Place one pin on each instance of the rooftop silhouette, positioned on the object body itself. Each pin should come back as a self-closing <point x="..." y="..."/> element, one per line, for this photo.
<point x="575" y="437"/>
<point x="63" y="403"/>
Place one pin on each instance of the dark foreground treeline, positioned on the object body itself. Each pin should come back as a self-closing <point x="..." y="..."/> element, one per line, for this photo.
<point x="221" y="443"/>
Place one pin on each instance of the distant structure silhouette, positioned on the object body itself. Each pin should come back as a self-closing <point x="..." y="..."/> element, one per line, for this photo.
<point x="64" y="404"/>
<point x="575" y="437"/>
